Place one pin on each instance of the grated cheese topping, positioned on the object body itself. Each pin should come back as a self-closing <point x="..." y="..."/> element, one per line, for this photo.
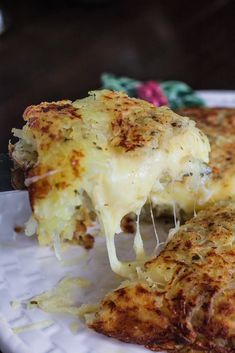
<point x="110" y="152"/>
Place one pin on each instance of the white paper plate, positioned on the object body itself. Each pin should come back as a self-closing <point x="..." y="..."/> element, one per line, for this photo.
<point x="27" y="270"/>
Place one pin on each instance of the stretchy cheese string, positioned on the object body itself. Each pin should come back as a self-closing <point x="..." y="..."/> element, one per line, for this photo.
<point x="174" y="212"/>
<point x="138" y="242"/>
<point x="154" y="225"/>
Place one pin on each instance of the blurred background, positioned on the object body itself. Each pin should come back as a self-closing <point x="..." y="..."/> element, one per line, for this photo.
<point x="58" y="49"/>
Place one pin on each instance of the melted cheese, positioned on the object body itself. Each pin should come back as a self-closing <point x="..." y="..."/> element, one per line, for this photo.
<point x="117" y="152"/>
<point x="153" y="222"/>
<point x="127" y="191"/>
<point x="138" y="242"/>
<point x="187" y="194"/>
<point x="218" y="125"/>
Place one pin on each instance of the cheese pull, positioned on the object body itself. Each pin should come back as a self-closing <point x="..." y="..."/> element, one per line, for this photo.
<point x="104" y="154"/>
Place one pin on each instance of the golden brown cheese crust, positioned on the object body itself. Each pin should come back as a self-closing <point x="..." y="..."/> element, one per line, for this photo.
<point x="188" y="302"/>
<point x="135" y="122"/>
<point x="214" y="121"/>
<point x="47" y="119"/>
<point x="219" y="126"/>
<point x="41" y="188"/>
<point x="47" y="122"/>
<point x="70" y="152"/>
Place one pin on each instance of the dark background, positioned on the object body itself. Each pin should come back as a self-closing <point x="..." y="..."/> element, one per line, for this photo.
<point x="58" y="49"/>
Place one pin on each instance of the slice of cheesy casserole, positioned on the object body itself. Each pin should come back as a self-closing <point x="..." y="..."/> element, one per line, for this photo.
<point x="219" y="126"/>
<point x="184" y="299"/>
<point x="104" y="154"/>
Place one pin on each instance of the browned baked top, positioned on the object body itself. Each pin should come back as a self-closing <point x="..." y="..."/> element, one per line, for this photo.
<point x="219" y="126"/>
<point x="186" y="298"/>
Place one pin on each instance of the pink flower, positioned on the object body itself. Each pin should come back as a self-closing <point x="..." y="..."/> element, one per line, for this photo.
<point x="152" y="92"/>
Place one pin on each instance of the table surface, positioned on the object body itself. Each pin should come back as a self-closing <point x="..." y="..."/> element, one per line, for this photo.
<point x="58" y="49"/>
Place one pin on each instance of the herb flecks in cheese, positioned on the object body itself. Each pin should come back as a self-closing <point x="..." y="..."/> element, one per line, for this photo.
<point x="108" y="153"/>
